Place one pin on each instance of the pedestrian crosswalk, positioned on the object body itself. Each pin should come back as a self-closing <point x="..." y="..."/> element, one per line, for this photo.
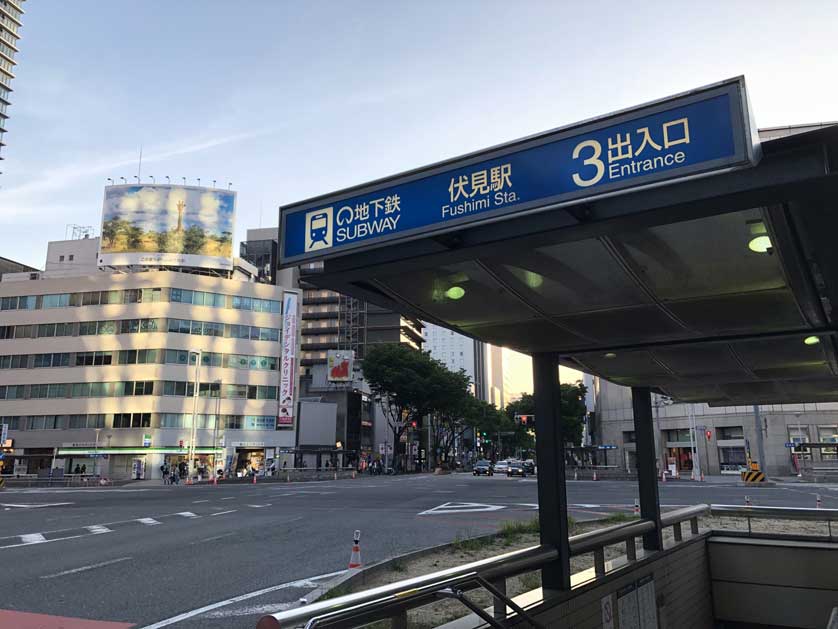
<point x="43" y="537"/>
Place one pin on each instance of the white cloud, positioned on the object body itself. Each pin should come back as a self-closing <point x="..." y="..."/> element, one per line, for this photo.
<point x="30" y="199"/>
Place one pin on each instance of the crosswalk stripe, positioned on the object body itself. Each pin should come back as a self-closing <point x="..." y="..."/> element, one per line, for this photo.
<point x="96" y="529"/>
<point x="148" y="521"/>
<point x="33" y="538"/>
<point x="187" y="514"/>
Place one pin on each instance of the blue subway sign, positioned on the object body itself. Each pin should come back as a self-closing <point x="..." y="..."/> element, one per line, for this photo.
<point x="702" y="132"/>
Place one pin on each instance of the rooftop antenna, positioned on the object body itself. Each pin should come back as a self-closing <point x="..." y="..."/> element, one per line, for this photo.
<point x="229" y="185"/>
<point x="168" y="179"/>
<point x="184" y="180"/>
<point x="108" y="179"/>
<point x="213" y="183"/>
<point x="152" y="178"/>
<point x="137" y="177"/>
<point x="140" y="165"/>
<point x="124" y="180"/>
<point x="199" y="181"/>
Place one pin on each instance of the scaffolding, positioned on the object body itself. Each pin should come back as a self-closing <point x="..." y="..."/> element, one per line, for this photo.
<point x="352" y="325"/>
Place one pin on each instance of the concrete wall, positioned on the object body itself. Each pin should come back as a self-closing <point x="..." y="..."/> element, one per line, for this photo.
<point x="771" y="582"/>
<point x="682" y="593"/>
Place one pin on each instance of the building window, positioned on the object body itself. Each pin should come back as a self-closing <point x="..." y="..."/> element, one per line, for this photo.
<point x="629" y="436"/>
<point x="730" y="432"/>
<point x="828" y="434"/>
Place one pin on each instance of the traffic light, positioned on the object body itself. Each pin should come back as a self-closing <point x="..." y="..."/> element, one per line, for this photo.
<point x="413" y="424"/>
<point x="709" y="434"/>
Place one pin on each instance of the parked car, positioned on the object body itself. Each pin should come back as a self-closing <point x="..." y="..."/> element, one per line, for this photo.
<point x="502" y="466"/>
<point x="529" y="466"/>
<point x="483" y="467"/>
<point x="516" y="468"/>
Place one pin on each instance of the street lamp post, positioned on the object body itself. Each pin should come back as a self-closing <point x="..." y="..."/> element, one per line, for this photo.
<point x="192" y="466"/>
<point x="215" y="431"/>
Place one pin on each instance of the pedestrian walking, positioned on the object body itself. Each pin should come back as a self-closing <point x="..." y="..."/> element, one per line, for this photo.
<point x="84" y="469"/>
<point x="77" y="470"/>
<point x="165" y="469"/>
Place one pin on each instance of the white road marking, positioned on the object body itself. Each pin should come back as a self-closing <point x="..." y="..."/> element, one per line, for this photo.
<point x="229" y="498"/>
<point x="194" y="502"/>
<point x="148" y="521"/>
<point x="33" y="538"/>
<point x="98" y="529"/>
<point x="35" y="506"/>
<point x="309" y="582"/>
<point x="254" y="610"/>
<point x="84" y="568"/>
<point x="187" y="514"/>
<point x="259" y="506"/>
<point x="461" y="507"/>
<point x="212" y="539"/>
<point x="224" y="512"/>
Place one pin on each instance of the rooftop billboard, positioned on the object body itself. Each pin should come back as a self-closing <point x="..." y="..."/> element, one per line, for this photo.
<point x="167" y="225"/>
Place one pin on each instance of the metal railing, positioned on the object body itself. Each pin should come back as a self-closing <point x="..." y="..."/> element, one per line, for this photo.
<point x="394" y="600"/>
<point x="776" y="513"/>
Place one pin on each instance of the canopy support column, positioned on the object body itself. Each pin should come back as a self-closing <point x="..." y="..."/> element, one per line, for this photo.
<point x="549" y="447"/>
<point x="647" y="473"/>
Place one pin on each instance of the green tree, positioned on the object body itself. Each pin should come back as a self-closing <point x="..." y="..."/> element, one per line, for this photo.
<point x="400" y="377"/>
<point x="572" y="409"/>
<point x="449" y="403"/>
<point x="194" y="240"/>
<point x="134" y="237"/>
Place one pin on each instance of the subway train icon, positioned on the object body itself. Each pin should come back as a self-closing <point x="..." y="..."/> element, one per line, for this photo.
<point x="319" y="229"/>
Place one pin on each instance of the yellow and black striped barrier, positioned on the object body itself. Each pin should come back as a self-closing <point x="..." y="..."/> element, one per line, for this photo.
<point x="2" y="483"/>
<point x="753" y="477"/>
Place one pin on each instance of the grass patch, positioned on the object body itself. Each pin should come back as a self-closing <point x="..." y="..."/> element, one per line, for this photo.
<point x="531" y="580"/>
<point x="471" y="544"/>
<point x="619" y="518"/>
<point x="516" y="528"/>
<point x="337" y="591"/>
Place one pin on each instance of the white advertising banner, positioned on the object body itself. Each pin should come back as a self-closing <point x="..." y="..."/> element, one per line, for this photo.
<point x="288" y="361"/>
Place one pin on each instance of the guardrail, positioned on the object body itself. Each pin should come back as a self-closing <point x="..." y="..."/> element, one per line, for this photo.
<point x="394" y="600"/>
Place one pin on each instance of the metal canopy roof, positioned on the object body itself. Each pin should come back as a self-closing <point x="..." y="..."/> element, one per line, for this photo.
<point x="656" y="287"/>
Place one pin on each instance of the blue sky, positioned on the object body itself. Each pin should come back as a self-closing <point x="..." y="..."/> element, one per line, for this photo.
<point x="287" y="100"/>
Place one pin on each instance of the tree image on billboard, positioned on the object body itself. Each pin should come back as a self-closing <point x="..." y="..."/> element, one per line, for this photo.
<point x="140" y="222"/>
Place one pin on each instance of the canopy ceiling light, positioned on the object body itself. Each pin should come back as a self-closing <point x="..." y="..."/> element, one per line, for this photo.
<point x="760" y="241"/>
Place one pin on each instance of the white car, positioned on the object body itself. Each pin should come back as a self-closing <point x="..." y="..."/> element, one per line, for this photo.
<point x="502" y="467"/>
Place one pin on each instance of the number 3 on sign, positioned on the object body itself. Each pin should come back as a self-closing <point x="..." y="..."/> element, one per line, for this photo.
<point x="592" y="160"/>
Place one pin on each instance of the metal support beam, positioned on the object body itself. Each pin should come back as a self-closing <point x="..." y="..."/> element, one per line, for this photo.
<point x="647" y="475"/>
<point x="549" y="447"/>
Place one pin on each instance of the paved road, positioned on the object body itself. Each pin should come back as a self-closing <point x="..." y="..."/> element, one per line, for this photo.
<point x="145" y="555"/>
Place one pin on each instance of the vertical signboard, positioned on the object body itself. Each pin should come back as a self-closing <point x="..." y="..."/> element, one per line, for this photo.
<point x="288" y="361"/>
<point x="4" y="435"/>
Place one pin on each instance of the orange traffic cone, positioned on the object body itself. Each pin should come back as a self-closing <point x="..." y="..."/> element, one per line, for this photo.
<point x="254" y="479"/>
<point x="636" y="507"/>
<point x="747" y="501"/>
<point x="818" y="502"/>
<point x="355" y="557"/>
<point x="594" y="474"/>
<point x="215" y="479"/>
